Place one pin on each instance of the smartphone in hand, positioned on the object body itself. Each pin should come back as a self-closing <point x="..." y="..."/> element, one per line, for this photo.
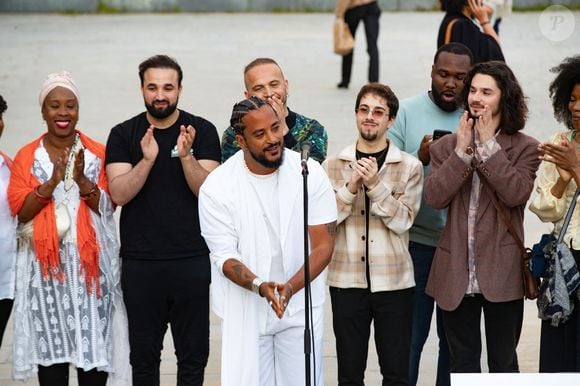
<point x="440" y="133"/>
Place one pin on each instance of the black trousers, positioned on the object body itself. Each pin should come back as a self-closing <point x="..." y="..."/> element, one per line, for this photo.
<point x="353" y="311"/>
<point x="158" y="292"/>
<point x="369" y="14"/>
<point x="57" y="375"/>
<point x="503" y="326"/>
<point x="5" y="309"/>
<point x="560" y="346"/>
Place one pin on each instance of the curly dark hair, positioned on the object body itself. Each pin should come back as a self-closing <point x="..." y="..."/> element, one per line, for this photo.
<point x="567" y="76"/>
<point x="512" y="104"/>
<point x="3" y="105"/>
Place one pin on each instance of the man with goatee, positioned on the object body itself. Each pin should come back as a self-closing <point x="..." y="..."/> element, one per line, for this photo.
<point x="378" y="192"/>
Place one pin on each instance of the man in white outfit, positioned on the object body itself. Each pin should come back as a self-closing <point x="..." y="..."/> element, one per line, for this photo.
<point x="251" y="216"/>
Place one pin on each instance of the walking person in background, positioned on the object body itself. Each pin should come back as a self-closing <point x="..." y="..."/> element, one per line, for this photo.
<point x="559" y="177"/>
<point x="7" y="236"/>
<point x="477" y="264"/>
<point x="68" y="291"/>
<point x="435" y="112"/>
<point x="156" y="163"/>
<point x="353" y="12"/>
<point x="378" y="192"/>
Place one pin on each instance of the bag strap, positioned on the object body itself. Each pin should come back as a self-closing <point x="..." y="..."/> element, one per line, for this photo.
<point x="448" y="31"/>
<point x="568" y="216"/>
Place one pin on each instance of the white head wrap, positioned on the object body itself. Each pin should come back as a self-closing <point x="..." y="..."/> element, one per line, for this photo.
<point x="58" y="79"/>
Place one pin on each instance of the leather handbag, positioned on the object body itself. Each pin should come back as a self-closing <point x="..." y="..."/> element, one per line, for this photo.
<point x="531" y="283"/>
<point x="343" y="39"/>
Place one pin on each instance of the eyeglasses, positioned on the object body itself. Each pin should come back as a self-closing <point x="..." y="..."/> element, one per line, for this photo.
<point x="377" y="112"/>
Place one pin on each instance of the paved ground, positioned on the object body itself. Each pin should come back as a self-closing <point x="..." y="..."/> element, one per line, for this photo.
<point x="103" y="52"/>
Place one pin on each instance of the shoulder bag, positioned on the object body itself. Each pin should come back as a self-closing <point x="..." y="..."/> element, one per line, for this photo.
<point x="343" y="39"/>
<point x="531" y="283"/>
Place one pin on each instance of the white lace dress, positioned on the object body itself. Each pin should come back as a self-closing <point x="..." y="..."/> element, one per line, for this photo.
<point x="59" y="322"/>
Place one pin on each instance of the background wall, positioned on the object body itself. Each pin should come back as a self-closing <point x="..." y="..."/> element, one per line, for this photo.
<point x="112" y="6"/>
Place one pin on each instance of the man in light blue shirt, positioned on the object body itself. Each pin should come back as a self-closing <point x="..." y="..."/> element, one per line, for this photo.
<point x="419" y="118"/>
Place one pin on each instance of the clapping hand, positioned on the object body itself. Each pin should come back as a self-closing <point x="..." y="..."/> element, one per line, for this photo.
<point x="185" y="141"/>
<point x="149" y="145"/>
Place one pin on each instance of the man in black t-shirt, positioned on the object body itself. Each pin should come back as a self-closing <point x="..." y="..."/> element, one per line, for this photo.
<point x="156" y="163"/>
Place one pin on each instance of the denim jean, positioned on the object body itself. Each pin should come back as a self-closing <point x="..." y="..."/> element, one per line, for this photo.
<point x="422" y="256"/>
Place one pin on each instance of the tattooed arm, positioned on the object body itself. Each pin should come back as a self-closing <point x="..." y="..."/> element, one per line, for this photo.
<point x="322" y="246"/>
<point x="237" y="272"/>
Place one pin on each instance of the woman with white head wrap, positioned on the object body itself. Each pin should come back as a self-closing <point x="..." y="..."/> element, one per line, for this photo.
<point x="68" y="295"/>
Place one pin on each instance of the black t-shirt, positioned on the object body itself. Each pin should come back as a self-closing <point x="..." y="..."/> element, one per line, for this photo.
<point x="161" y="221"/>
<point x="380" y="156"/>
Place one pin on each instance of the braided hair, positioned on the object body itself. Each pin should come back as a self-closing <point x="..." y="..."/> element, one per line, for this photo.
<point x="241" y="109"/>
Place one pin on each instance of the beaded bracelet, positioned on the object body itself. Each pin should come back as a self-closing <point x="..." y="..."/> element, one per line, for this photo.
<point x="90" y="194"/>
<point x="40" y="198"/>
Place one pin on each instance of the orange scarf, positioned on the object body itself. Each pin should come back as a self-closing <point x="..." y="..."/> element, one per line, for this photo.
<point x="22" y="182"/>
<point x="7" y="160"/>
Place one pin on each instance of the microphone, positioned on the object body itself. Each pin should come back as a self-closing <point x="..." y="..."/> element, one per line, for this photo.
<point x="305" y="151"/>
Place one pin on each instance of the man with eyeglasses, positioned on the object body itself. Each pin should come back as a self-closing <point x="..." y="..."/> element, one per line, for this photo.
<point x="378" y="193"/>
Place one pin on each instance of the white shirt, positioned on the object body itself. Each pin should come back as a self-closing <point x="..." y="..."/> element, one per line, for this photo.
<point x="7" y="237"/>
<point x="233" y="227"/>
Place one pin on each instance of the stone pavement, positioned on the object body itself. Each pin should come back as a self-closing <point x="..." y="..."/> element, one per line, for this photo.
<point x="103" y="52"/>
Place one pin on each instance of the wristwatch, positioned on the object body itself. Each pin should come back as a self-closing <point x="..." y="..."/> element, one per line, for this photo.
<point x="256" y="283"/>
<point x="469" y="151"/>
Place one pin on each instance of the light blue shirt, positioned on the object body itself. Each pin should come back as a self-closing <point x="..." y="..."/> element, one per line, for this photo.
<point x="419" y="116"/>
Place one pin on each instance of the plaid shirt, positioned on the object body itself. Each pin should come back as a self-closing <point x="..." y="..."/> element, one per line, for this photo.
<point x="395" y="202"/>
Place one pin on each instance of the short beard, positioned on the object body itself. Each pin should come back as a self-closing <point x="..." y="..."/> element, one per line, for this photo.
<point x="445" y="106"/>
<point x="161" y="114"/>
<point x="265" y="162"/>
<point x="368" y="136"/>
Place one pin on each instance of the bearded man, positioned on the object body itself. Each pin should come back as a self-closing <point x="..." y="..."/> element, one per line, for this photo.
<point x="156" y="163"/>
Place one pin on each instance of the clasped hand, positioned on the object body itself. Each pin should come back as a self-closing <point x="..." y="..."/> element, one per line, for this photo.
<point x="277" y="295"/>
<point x="365" y="171"/>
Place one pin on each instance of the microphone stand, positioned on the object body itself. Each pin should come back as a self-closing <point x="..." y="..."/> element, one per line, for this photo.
<point x="307" y="332"/>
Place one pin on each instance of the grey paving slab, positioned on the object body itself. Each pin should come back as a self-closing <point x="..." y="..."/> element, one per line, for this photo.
<point x="103" y="51"/>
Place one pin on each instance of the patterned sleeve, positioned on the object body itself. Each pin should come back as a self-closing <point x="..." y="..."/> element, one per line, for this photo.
<point x="229" y="144"/>
<point x="319" y="141"/>
<point x="311" y="130"/>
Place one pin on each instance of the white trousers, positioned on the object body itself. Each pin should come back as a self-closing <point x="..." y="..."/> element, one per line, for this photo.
<point x="282" y="359"/>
